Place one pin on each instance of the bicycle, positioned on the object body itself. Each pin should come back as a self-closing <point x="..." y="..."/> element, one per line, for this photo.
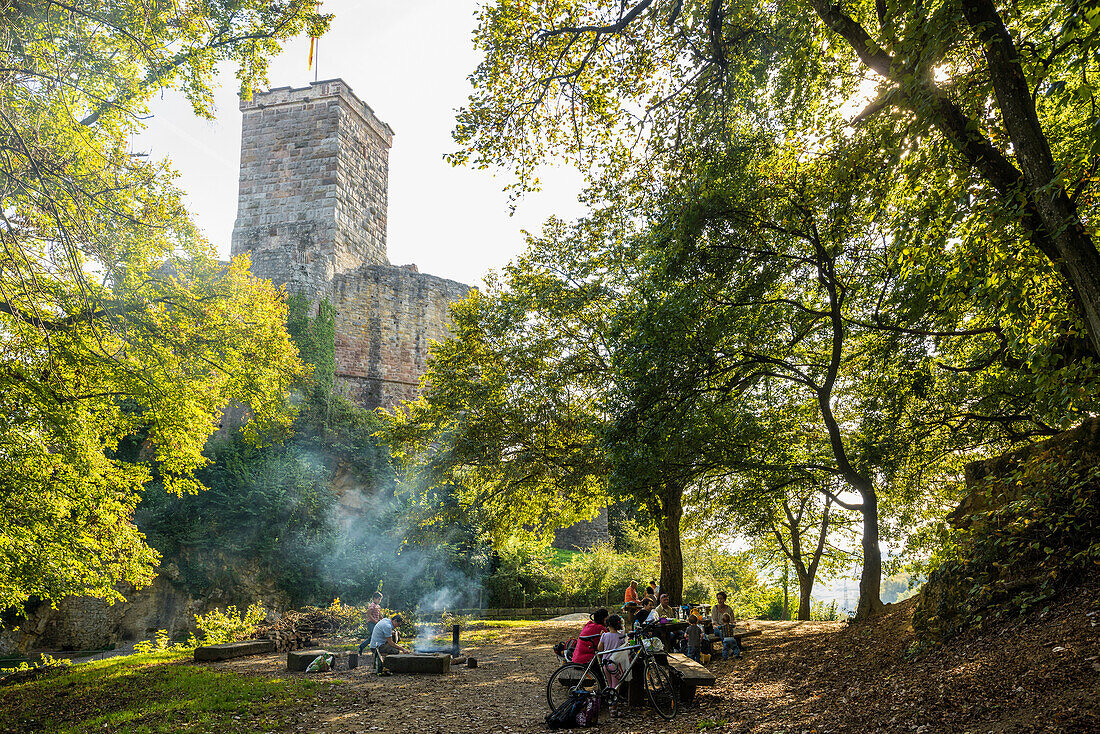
<point x="590" y="678"/>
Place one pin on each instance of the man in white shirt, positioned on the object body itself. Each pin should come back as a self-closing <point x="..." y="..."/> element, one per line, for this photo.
<point x="382" y="638"/>
<point x="664" y="609"/>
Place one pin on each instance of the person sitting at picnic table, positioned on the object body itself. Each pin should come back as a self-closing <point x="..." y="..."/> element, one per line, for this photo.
<point x="651" y="589"/>
<point x="589" y="637"/>
<point x="631" y="593"/>
<point x="693" y="638"/>
<point x="645" y="615"/>
<point x="664" y="610"/>
<point x="383" y="638"/>
<point x="730" y="644"/>
<point x="374" y="616"/>
<point x="720" y="609"/>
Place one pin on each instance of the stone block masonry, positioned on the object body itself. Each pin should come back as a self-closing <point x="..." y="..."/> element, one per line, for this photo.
<point x="312" y="214"/>
<point x="313" y="185"/>
<point x="385" y="319"/>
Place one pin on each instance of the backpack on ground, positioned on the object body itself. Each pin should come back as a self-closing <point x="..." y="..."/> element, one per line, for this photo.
<point x="565" y="716"/>
<point x="589" y="714"/>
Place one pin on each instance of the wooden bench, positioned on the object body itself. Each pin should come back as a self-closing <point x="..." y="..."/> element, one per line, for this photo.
<point x="739" y="635"/>
<point x="688" y="674"/>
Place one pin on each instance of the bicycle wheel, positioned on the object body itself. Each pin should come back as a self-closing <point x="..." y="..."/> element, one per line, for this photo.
<point x="569" y="677"/>
<point x="658" y="686"/>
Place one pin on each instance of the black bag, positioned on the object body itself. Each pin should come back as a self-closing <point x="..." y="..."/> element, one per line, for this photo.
<point x="565" y="716"/>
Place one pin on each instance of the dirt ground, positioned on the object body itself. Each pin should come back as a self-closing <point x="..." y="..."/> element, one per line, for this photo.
<point x="1041" y="675"/>
<point x="505" y="693"/>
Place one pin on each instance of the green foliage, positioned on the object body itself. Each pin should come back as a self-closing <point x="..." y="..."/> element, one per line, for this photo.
<point x="508" y="426"/>
<point x="822" y="612"/>
<point x="315" y="337"/>
<point x="951" y="218"/>
<point x="314" y="516"/>
<point x="1017" y="556"/>
<point x="160" y="643"/>
<point x="529" y="575"/>
<point x="219" y="626"/>
<point x="116" y="319"/>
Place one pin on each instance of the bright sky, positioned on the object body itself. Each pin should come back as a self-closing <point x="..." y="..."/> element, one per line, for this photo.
<point x="409" y="61"/>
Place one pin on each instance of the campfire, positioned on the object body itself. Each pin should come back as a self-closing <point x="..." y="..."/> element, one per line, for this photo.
<point x="430" y="655"/>
<point x="432" y="646"/>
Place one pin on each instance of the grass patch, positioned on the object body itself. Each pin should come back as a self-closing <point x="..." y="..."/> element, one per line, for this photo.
<point x="559" y="557"/>
<point x="477" y="631"/>
<point x="153" y="692"/>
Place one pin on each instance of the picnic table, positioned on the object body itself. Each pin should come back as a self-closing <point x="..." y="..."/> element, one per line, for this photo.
<point x="664" y="631"/>
<point x="740" y="633"/>
<point x="688" y="675"/>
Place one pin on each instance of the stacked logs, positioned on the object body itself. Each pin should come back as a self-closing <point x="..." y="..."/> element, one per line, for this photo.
<point x="297" y="628"/>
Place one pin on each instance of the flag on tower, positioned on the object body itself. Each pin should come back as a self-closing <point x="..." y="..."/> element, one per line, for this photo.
<point x="312" y="40"/>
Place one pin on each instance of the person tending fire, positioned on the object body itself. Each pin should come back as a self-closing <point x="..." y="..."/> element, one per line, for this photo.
<point x="384" y="639"/>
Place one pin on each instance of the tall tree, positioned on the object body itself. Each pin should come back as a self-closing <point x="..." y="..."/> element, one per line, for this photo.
<point x="763" y="353"/>
<point x="513" y="405"/>
<point x="590" y="78"/>
<point x="115" y="318"/>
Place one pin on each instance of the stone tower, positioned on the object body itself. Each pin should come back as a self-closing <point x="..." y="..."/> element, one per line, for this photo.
<point x="313" y="184"/>
<point x="311" y="212"/>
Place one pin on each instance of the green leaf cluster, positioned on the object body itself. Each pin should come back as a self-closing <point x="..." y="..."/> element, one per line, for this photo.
<point x="116" y="320"/>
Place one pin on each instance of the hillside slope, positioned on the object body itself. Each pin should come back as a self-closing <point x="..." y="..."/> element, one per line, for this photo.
<point x="1039" y="674"/>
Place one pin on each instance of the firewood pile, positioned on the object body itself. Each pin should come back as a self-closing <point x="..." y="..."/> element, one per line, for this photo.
<point x="296" y="628"/>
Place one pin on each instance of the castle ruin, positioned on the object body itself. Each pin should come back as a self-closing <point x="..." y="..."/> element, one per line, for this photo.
<point x="311" y="212"/>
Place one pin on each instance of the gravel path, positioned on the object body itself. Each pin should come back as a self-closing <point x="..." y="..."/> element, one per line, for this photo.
<point x="505" y="693"/>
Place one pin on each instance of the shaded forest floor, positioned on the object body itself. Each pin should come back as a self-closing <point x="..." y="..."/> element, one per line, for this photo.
<point x="1041" y="674"/>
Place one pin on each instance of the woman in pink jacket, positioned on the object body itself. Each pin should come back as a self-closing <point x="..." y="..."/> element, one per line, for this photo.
<point x="590" y="637"/>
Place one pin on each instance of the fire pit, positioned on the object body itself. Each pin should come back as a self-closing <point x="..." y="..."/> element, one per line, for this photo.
<point x="418" y="663"/>
<point x="453" y="650"/>
<point x="426" y="657"/>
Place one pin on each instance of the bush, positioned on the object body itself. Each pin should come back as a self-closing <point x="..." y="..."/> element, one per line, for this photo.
<point x="822" y="612"/>
<point x="218" y="626"/>
<point x="528" y="575"/>
<point x="1015" y="557"/>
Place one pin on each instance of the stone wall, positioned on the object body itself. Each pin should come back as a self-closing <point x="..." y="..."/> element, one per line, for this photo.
<point x="583" y="535"/>
<point x="87" y="623"/>
<point x="385" y="318"/>
<point x="989" y="482"/>
<point x="312" y="215"/>
<point x="313" y="182"/>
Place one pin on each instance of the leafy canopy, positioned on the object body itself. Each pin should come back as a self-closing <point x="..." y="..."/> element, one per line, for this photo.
<point x="116" y="320"/>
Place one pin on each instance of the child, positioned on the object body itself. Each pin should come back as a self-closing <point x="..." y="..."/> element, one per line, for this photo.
<point x="693" y="638"/>
<point x="729" y="642"/>
<point x="613" y="639"/>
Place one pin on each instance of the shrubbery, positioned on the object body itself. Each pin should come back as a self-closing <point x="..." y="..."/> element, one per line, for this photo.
<point x="526" y="575"/>
<point x="310" y="516"/>
<point x="1017" y="556"/>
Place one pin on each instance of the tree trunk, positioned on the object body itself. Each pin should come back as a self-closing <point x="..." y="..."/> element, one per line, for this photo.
<point x="1048" y="214"/>
<point x="870" y="580"/>
<point x="668" y="538"/>
<point x="805" y="586"/>
<point x="786" y="593"/>
<point x="1075" y="254"/>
